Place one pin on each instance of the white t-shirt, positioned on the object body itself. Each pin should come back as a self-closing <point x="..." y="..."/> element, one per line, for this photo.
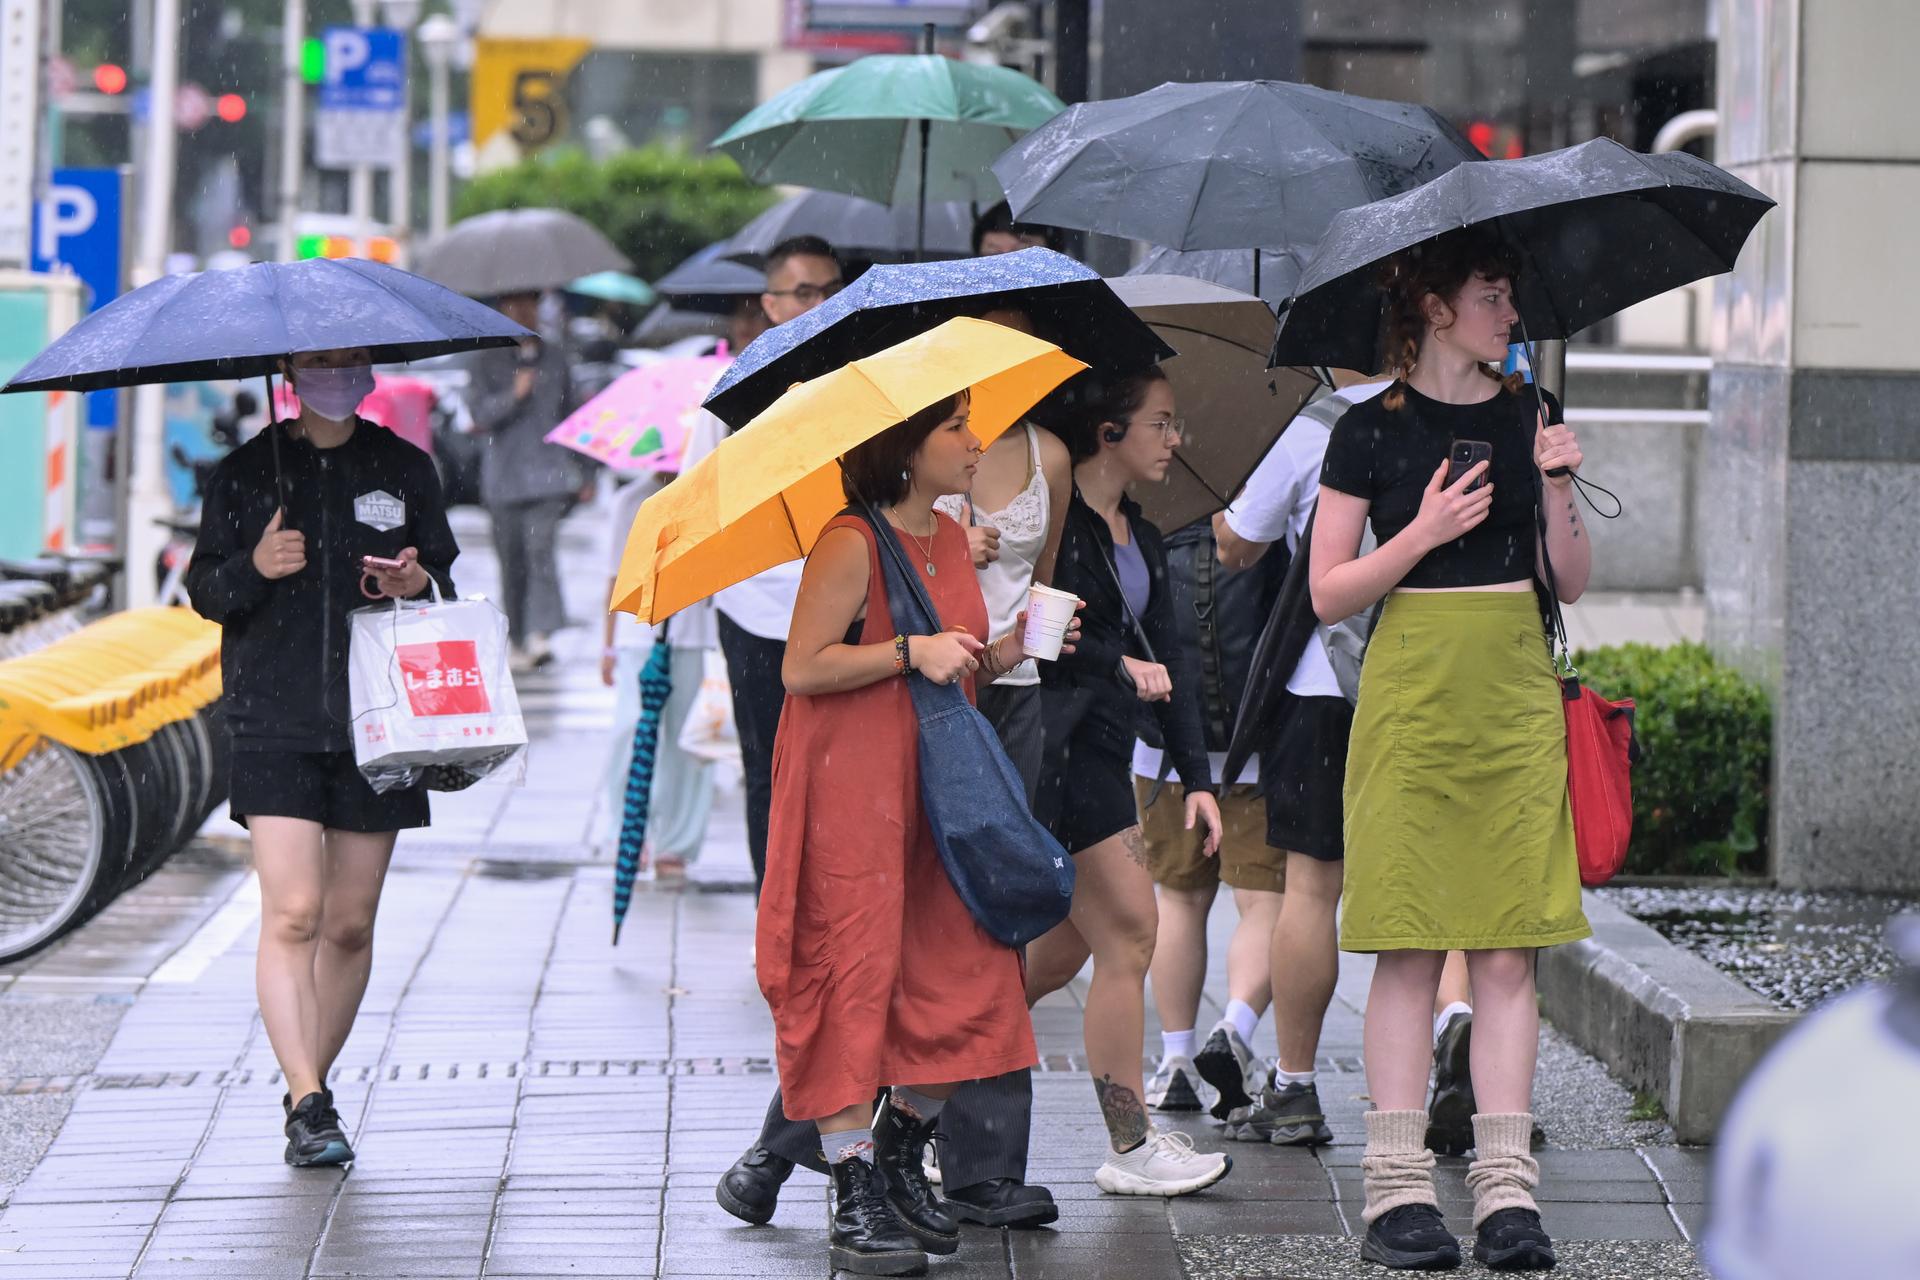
<point x="1146" y="763"/>
<point x="763" y="604"/>
<point x="1277" y="503"/>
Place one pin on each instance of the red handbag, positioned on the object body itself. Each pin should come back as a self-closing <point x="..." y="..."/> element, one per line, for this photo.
<point x="1601" y="748"/>
<point x="1601" y="751"/>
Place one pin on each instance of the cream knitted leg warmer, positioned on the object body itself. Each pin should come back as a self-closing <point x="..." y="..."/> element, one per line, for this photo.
<point x="1504" y="1172"/>
<point x="1397" y="1167"/>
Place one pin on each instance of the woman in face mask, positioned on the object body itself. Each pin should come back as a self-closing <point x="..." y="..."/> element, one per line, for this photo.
<point x="290" y="522"/>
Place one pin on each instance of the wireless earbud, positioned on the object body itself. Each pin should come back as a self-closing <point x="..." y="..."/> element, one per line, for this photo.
<point x="1113" y="437"/>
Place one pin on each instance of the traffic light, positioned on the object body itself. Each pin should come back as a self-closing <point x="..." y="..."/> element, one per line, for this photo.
<point x="110" y="78"/>
<point x="313" y="60"/>
<point x="240" y="237"/>
<point x="230" y="107"/>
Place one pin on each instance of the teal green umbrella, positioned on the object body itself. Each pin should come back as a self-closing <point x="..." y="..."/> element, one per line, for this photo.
<point x="896" y="128"/>
<point x="614" y="286"/>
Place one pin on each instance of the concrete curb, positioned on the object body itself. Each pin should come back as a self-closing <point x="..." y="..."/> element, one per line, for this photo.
<point x="1661" y="1017"/>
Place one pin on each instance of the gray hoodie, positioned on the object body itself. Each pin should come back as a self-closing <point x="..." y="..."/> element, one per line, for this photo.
<point x="519" y="465"/>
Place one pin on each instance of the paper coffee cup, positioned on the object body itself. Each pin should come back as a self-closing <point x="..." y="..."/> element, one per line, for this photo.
<point x="1049" y="614"/>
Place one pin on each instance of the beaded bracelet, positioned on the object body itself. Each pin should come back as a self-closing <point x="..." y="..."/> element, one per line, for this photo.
<point x="901" y="663"/>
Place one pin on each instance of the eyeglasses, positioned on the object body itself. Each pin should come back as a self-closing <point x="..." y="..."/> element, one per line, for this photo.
<point x="811" y="295"/>
<point x="1171" y="430"/>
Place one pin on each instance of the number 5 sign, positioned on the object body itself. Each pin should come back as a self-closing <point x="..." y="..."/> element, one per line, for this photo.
<point x="520" y="95"/>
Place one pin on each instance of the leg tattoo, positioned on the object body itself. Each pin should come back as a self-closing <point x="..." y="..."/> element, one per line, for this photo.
<point x="1136" y="845"/>
<point x="1120" y="1108"/>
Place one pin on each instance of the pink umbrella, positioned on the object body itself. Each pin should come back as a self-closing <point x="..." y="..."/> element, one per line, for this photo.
<point x="640" y="422"/>
<point x="402" y="405"/>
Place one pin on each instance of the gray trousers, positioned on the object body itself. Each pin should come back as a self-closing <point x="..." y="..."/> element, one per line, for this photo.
<point x="524" y="536"/>
<point x="983" y="1131"/>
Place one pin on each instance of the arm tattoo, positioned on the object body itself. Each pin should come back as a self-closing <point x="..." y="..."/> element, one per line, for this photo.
<point x="1136" y="845"/>
<point x="1120" y="1108"/>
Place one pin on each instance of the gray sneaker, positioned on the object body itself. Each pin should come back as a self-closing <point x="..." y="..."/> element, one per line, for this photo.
<point x="1289" y="1116"/>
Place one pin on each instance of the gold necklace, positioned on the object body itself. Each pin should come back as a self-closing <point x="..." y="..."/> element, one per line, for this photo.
<point x="926" y="553"/>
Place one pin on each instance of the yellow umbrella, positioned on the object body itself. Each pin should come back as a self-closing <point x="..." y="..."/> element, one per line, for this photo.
<point x="763" y="496"/>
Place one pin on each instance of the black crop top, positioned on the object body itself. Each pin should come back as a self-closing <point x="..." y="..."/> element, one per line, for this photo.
<point x="1387" y="456"/>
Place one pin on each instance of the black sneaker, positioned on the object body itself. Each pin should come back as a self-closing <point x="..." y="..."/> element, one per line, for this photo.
<point x="1226" y="1063"/>
<point x="1411" y="1238"/>
<point x="1290" y="1116"/>
<point x="1450" y="1115"/>
<point x="1514" y="1240"/>
<point x="314" y="1136"/>
<point x="750" y="1190"/>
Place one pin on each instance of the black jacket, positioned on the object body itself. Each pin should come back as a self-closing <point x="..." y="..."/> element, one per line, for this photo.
<point x="1085" y="567"/>
<point x="283" y="647"/>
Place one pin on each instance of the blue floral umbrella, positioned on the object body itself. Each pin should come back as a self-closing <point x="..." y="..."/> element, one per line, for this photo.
<point x="656" y="683"/>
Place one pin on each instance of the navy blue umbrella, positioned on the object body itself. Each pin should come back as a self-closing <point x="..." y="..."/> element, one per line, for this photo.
<point x="656" y="686"/>
<point x="241" y="323"/>
<point x="1069" y="304"/>
<point x="710" y="281"/>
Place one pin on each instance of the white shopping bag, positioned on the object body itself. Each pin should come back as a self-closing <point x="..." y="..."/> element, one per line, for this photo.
<point x="709" y="731"/>
<point x="431" y="694"/>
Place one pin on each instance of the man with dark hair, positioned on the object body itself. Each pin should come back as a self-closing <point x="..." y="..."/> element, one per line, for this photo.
<point x="802" y="272"/>
<point x="995" y="231"/>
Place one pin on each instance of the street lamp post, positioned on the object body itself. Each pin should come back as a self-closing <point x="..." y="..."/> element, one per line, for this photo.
<point x="360" y="177"/>
<point x="438" y="36"/>
<point x="403" y="15"/>
<point x="293" y="101"/>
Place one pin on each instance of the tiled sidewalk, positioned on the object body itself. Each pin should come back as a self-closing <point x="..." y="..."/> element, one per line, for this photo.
<point x="526" y="1100"/>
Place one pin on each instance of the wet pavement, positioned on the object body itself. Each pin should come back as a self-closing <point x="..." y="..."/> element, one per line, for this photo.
<point x="527" y="1100"/>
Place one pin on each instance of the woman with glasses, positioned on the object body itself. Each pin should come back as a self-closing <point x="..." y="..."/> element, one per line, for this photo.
<point x="1128" y="655"/>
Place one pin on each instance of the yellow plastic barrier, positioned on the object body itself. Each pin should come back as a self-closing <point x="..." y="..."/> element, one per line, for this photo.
<point x="112" y="684"/>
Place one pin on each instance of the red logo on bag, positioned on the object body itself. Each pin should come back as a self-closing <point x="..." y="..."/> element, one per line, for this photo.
<point x="443" y="678"/>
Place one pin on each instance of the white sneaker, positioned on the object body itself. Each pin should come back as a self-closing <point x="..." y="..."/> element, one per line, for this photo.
<point x="1164" y="1165"/>
<point x="1176" y="1086"/>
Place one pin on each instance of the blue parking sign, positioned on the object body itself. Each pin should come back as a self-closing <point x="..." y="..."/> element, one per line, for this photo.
<point x="77" y="228"/>
<point x="366" y="69"/>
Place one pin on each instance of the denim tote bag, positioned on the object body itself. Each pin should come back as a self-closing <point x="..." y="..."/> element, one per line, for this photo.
<point x="1014" y="877"/>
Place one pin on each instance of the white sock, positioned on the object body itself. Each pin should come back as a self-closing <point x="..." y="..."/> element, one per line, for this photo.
<point x="1283" y="1077"/>
<point x="1243" y="1018"/>
<point x="1176" y="1044"/>
<point x="1446" y="1016"/>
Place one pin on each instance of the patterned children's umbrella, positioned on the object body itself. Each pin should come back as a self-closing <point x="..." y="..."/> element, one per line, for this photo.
<point x="640" y="422"/>
<point x="656" y="683"/>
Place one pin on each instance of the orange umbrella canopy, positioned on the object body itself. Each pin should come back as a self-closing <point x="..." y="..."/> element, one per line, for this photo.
<point x="762" y="497"/>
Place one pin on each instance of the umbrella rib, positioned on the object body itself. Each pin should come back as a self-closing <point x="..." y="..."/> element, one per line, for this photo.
<point x="1235" y="343"/>
<point x="1188" y="466"/>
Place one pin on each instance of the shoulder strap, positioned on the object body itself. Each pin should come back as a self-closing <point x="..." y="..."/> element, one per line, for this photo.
<point x="913" y="612"/>
<point x="1119" y="588"/>
<point x="1555" y="620"/>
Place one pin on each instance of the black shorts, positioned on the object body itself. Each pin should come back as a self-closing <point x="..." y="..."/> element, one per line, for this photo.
<point x="1304" y="775"/>
<point x="1014" y="712"/>
<point x="1086" y="780"/>
<point x="320" y="786"/>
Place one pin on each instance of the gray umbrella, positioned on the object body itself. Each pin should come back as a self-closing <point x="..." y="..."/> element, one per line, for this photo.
<point x="1233" y="268"/>
<point x="1234" y="407"/>
<point x="1224" y="165"/>
<point x="517" y="251"/>
<point x="859" y="228"/>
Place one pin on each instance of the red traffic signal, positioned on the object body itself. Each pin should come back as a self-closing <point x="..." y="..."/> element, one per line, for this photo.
<point x="110" y="78"/>
<point x="230" y="107"/>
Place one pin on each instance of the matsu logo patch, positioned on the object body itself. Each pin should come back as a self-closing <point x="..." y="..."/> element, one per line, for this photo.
<point x="381" y="510"/>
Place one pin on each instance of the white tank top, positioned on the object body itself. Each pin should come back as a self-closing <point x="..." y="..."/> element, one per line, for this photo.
<point x="1023" y="536"/>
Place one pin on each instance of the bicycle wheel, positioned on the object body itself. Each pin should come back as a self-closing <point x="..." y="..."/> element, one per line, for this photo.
<point x="55" y="833"/>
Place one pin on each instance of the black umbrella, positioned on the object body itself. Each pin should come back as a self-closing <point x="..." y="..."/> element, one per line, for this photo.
<point x="859" y="228"/>
<point x="1233" y="405"/>
<point x="1598" y="227"/>
<point x="710" y="281"/>
<point x="1069" y="304"/>
<point x="1224" y="165"/>
<point x="242" y="323"/>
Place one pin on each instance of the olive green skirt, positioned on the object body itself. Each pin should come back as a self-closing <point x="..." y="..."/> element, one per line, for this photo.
<point x="1458" y="831"/>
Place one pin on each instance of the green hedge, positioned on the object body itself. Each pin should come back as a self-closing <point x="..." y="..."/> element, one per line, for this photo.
<point x="1700" y="791"/>
<point x="655" y="203"/>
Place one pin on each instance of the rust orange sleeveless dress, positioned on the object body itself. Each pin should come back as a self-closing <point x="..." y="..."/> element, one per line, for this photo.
<point x="876" y="973"/>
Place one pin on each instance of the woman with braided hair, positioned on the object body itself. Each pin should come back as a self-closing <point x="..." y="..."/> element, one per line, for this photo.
<point x="1458" y="831"/>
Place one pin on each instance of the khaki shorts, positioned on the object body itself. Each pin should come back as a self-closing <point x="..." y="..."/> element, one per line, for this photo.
<point x="1245" y="860"/>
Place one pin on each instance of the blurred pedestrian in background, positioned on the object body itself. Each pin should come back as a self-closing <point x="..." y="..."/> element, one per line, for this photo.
<point x="995" y="231"/>
<point x="528" y="485"/>
<point x="1114" y="559"/>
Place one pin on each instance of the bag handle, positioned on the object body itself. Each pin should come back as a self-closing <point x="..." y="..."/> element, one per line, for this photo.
<point x="433" y="584"/>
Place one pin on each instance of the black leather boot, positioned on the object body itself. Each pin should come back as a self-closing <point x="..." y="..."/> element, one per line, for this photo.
<point x="899" y="1148"/>
<point x="750" y="1190"/>
<point x="866" y="1238"/>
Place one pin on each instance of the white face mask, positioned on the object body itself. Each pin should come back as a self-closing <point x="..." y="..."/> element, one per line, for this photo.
<point x="334" y="394"/>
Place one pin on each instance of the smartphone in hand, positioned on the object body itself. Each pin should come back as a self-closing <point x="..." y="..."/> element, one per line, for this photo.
<point x="372" y="563"/>
<point x="1463" y="456"/>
